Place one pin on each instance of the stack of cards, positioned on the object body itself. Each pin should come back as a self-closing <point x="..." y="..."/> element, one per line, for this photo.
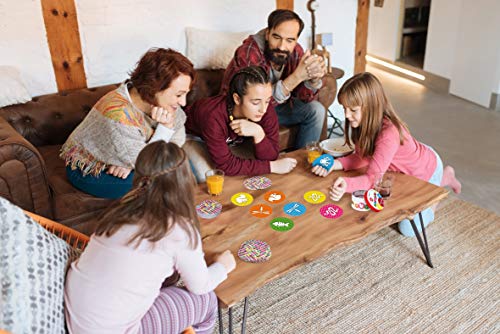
<point x="254" y="251"/>
<point x="257" y="183"/>
<point x="208" y="209"/>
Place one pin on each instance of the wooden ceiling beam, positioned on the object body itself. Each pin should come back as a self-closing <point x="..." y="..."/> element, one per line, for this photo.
<point x="63" y="37"/>
<point x="361" y="36"/>
<point x="284" y="4"/>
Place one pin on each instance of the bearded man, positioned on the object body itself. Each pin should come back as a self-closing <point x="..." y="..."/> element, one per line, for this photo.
<point x="295" y="75"/>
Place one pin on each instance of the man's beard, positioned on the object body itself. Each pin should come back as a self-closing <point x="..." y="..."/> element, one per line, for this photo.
<point x="277" y="56"/>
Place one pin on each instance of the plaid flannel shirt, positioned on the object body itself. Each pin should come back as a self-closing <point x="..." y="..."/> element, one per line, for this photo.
<point x="250" y="53"/>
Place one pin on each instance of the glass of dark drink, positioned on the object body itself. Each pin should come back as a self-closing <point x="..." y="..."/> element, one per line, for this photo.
<point x="383" y="184"/>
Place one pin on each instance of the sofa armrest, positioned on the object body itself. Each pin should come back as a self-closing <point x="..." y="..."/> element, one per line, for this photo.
<point x="23" y="178"/>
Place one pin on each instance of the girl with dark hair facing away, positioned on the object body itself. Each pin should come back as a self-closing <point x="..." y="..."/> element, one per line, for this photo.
<point x="383" y="143"/>
<point x="225" y="121"/>
<point x="100" y="154"/>
<point x="116" y="284"/>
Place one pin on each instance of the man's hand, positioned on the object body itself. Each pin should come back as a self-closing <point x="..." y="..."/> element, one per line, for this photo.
<point x="120" y="172"/>
<point x="163" y="117"/>
<point x="246" y="128"/>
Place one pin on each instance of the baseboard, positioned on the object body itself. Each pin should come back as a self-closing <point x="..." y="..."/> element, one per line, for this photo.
<point x="495" y="102"/>
<point x="432" y="81"/>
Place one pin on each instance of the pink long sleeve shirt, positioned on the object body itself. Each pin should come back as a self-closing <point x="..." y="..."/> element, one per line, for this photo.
<point x="412" y="158"/>
<point x="112" y="286"/>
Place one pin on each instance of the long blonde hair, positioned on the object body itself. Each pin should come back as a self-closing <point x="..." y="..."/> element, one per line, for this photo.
<point x="162" y="197"/>
<point x="366" y="91"/>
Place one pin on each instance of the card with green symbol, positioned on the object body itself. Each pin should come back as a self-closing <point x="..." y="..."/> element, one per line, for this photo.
<point x="281" y="224"/>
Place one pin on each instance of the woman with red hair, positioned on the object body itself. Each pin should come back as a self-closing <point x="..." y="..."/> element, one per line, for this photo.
<point x="101" y="152"/>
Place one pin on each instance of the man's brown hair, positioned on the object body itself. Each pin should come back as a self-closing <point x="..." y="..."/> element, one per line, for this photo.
<point x="279" y="16"/>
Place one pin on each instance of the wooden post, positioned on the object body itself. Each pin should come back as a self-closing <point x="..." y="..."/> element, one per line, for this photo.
<point x="361" y="36"/>
<point x="64" y="43"/>
<point x="284" y="4"/>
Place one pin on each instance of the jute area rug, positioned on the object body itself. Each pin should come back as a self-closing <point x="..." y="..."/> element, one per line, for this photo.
<point x="383" y="285"/>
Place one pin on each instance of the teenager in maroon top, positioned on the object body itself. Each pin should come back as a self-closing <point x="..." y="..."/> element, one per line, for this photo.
<point x="245" y="111"/>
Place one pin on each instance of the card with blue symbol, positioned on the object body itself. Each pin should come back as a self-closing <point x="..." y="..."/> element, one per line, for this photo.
<point x="294" y="209"/>
<point x="325" y="161"/>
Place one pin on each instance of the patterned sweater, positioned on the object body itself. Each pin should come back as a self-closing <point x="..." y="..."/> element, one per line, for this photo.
<point x="114" y="132"/>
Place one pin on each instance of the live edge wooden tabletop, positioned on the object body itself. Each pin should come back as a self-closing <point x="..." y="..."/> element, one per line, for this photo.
<point x="311" y="237"/>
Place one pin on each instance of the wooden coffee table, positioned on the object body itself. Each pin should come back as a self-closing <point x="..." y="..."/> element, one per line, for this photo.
<point x="311" y="237"/>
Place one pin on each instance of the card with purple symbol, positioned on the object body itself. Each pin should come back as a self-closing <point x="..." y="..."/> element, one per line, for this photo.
<point x="331" y="211"/>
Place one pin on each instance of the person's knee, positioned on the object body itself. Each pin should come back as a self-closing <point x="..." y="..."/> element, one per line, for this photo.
<point x="315" y="112"/>
<point x="405" y="227"/>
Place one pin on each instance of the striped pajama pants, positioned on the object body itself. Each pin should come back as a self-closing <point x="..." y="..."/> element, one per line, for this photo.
<point x="175" y="309"/>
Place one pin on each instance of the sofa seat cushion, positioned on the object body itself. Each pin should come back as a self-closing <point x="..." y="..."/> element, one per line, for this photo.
<point x="69" y="202"/>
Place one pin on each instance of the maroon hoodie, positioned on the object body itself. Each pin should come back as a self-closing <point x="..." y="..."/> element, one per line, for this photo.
<point x="208" y="119"/>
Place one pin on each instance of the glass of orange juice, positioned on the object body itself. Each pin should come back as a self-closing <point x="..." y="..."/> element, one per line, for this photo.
<point x="313" y="151"/>
<point x="215" y="181"/>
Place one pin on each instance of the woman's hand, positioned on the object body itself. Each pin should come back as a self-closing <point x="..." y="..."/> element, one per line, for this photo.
<point x="120" y="172"/>
<point x="163" y="117"/>
<point x="246" y="128"/>
<point x="283" y="166"/>
<point x="338" y="189"/>
<point x="226" y="258"/>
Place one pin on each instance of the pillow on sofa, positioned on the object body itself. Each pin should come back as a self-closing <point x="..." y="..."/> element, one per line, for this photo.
<point x="33" y="265"/>
<point x="12" y="88"/>
<point x="212" y="49"/>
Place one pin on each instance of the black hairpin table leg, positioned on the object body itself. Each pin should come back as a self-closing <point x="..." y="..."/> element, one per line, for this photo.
<point x="423" y="244"/>
<point x="230" y="315"/>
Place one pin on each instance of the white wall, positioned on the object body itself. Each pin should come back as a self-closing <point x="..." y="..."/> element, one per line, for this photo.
<point x="339" y="18"/>
<point x="383" y="30"/>
<point x="23" y="44"/>
<point x="474" y="74"/>
<point x="442" y="36"/>
<point x="115" y="33"/>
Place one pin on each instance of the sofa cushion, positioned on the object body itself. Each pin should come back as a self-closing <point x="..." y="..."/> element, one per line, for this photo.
<point x="33" y="265"/>
<point x="69" y="202"/>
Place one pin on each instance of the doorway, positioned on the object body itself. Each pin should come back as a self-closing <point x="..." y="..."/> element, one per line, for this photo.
<point x="414" y="32"/>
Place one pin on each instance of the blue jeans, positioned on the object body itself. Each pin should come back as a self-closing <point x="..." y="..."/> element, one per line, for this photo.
<point x="309" y="116"/>
<point x="102" y="185"/>
<point x="428" y="214"/>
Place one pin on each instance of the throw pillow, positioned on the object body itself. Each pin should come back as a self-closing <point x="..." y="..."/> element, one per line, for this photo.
<point x="33" y="265"/>
<point x="12" y="88"/>
<point x="212" y="49"/>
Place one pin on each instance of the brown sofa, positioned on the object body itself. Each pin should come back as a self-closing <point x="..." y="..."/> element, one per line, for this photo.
<point x="32" y="175"/>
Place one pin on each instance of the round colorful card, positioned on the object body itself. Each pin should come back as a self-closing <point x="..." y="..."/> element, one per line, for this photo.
<point x="254" y="251"/>
<point x="294" y="209"/>
<point x="242" y="199"/>
<point x="257" y="183"/>
<point x="261" y="210"/>
<point x="314" y="197"/>
<point x="274" y="196"/>
<point x="331" y="211"/>
<point x="374" y="200"/>
<point x="209" y="209"/>
<point x="281" y="224"/>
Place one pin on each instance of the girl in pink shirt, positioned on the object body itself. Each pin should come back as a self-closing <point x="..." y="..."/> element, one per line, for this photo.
<point x="382" y="143"/>
<point x="118" y="285"/>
